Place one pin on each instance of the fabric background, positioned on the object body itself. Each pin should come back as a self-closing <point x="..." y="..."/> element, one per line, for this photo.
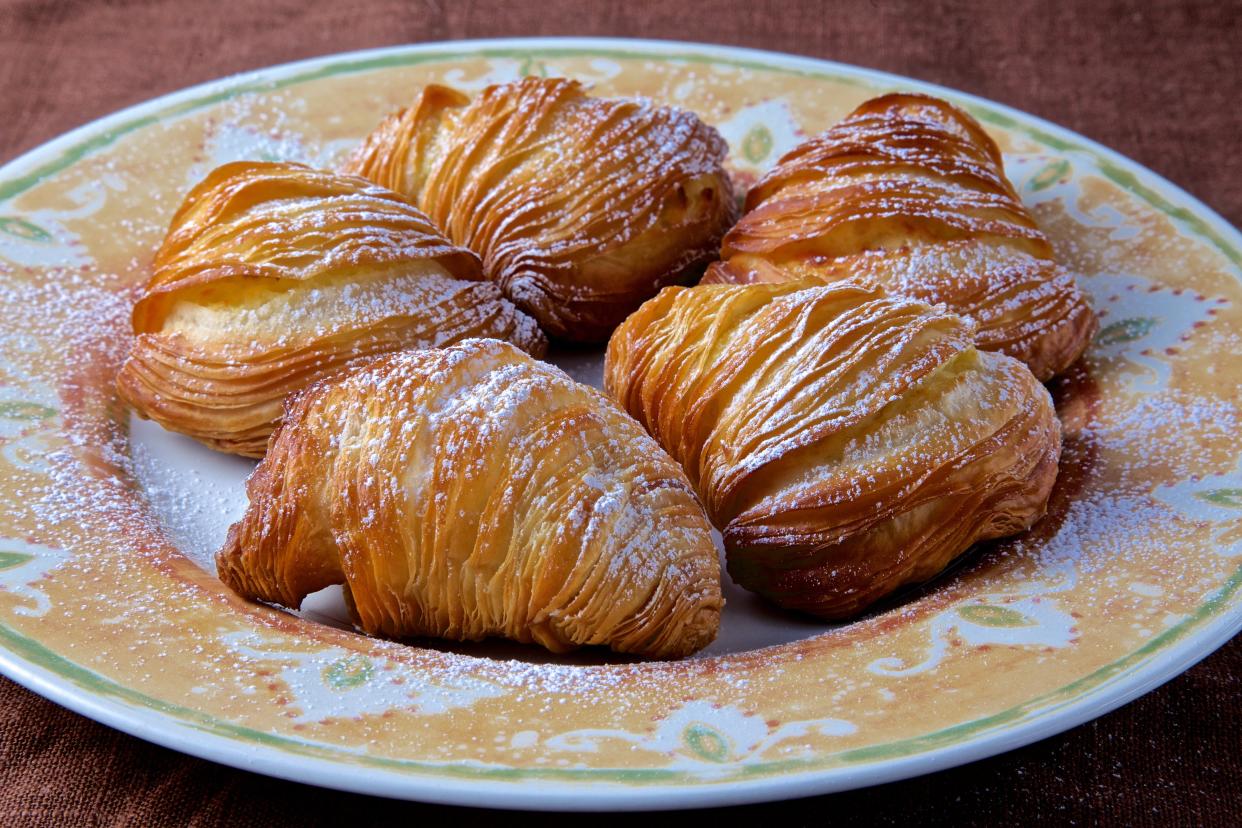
<point x="1158" y="81"/>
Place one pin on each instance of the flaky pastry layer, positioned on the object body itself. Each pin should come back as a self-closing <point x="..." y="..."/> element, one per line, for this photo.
<point x="580" y="207"/>
<point x="273" y="275"/>
<point x="909" y="193"/>
<point x="846" y="443"/>
<point x="473" y="492"/>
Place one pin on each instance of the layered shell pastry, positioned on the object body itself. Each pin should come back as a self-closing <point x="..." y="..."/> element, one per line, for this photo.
<point x="852" y="397"/>
<point x="909" y="194"/>
<point x="473" y="492"/>
<point x="580" y="207"/>
<point x="275" y="275"/>
<point x="846" y="442"/>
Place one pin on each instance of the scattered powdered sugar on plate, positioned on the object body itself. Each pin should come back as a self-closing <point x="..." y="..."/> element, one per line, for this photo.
<point x="196" y="492"/>
<point x="1158" y="422"/>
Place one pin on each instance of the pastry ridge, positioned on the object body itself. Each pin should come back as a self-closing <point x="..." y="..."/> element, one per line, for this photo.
<point x="273" y="275"/>
<point x="580" y="207"/>
<point x="845" y="442"/>
<point x="908" y="193"/>
<point x="472" y="492"/>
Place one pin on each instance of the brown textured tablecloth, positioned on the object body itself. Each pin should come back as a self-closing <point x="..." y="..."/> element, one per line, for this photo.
<point x="1159" y="81"/>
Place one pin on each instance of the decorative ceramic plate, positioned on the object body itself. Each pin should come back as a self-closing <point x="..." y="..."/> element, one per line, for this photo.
<point x="108" y="602"/>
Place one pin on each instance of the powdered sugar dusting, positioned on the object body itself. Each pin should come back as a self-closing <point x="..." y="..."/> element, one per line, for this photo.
<point x="158" y="490"/>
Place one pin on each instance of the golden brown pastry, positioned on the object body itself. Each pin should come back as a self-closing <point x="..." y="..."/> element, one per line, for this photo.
<point x="909" y="194"/>
<point x="274" y="275"/>
<point x="580" y="207"/>
<point x="846" y="443"/>
<point x="473" y="492"/>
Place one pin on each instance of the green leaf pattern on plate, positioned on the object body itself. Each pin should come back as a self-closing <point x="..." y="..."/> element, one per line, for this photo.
<point x="349" y="672"/>
<point x="531" y="67"/>
<point x="1229" y="498"/>
<point x="706" y="742"/>
<point x="757" y="144"/>
<point x="22" y="410"/>
<point x="22" y="566"/>
<point x="987" y="615"/>
<point x="9" y="560"/>
<point x="1052" y="172"/>
<point x="23" y="229"/>
<point x="1126" y="330"/>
